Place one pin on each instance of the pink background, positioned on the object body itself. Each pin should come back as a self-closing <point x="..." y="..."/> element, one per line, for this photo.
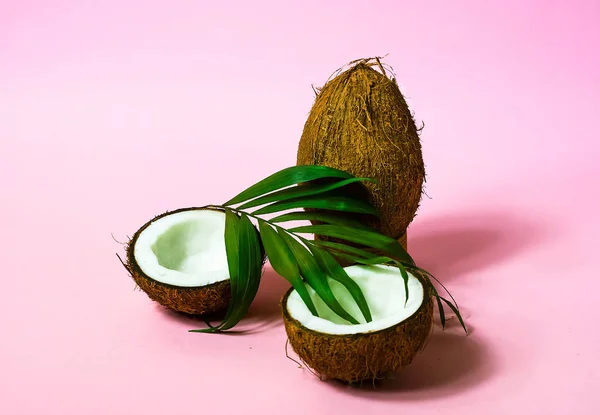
<point x="114" y="111"/>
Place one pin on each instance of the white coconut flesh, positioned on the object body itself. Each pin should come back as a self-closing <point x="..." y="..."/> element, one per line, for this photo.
<point x="184" y="249"/>
<point x="383" y="288"/>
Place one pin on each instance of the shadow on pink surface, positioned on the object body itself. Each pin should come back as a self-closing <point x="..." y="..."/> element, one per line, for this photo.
<point x="454" y="245"/>
<point x="450" y="364"/>
<point x="264" y="313"/>
<point x="450" y="247"/>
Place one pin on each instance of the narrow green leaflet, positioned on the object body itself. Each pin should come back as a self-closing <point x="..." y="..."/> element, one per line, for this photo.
<point x="351" y="259"/>
<point x="245" y="262"/>
<point x="310" y="189"/>
<point x="439" y="303"/>
<point x="439" y="282"/>
<point x="385" y="260"/>
<point x="287" y="177"/>
<point x="441" y="310"/>
<point x="231" y="244"/>
<point x="231" y="248"/>
<point x="405" y="278"/>
<point x="339" y="203"/>
<point x="319" y="216"/>
<point x="313" y="274"/>
<point x="283" y="262"/>
<point x="250" y="269"/>
<point x="360" y="236"/>
<point x="335" y="247"/>
<point x="376" y="260"/>
<point x="455" y="311"/>
<point x="335" y="271"/>
<point x="439" y="300"/>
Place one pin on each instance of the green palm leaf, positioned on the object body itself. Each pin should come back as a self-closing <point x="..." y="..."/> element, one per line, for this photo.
<point x="405" y="278"/>
<point x="344" y="257"/>
<point x="309" y="189"/>
<point x="250" y="269"/>
<point x="246" y="279"/>
<point x="283" y="262"/>
<point x="456" y="312"/>
<point x="364" y="237"/>
<point x="232" y="245"/>
<point x="335" y="271"/>
<point x="439" y="300"/>
<point x="313" y="264"/>
<point x="348" y="252"/>
<point x="441" y="310"/>
<point x="287" y="177"/>
<point x="338" y="203"/>
<point x="314" y="276"/>
<point x="319" y="216"/>
<point x="376" y="260"/>
<point x="387" y="260"/>
<point x="231" y="248"/>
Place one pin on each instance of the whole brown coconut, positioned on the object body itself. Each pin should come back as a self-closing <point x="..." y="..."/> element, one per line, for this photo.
<point x="366" y="355"/>
<point x="182" y="239"/>
<point x="361" y="123"/>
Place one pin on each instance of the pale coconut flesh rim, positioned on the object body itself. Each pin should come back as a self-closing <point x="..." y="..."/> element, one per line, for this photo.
<point x="383" y="288"/>
<point x="184" y="249"/>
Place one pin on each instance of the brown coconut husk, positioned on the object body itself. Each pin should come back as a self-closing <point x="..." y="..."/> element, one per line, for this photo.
<point x="361" y="357"/>
<point x="361" y="123"/>
<point x="203" y="300"/>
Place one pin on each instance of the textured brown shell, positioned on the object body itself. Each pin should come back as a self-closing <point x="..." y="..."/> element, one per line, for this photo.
<point x="207" y="299"/>
<point x="361" y="123"/>
<point x="365" y="356"/>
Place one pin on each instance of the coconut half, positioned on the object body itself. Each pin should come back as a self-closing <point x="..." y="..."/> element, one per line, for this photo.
<point x="336" y="349"/>
<point x="179" y="260"/>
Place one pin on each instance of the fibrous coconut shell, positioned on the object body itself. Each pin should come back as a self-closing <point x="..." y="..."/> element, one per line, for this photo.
<point x="360" y="357"/>
<point x="207" y="299"/>
<point x="361" y="123"/>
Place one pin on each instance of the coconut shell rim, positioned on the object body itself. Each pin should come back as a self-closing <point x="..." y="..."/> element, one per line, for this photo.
<point x="427" y="298"/>
<point x="135" y="268"/>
